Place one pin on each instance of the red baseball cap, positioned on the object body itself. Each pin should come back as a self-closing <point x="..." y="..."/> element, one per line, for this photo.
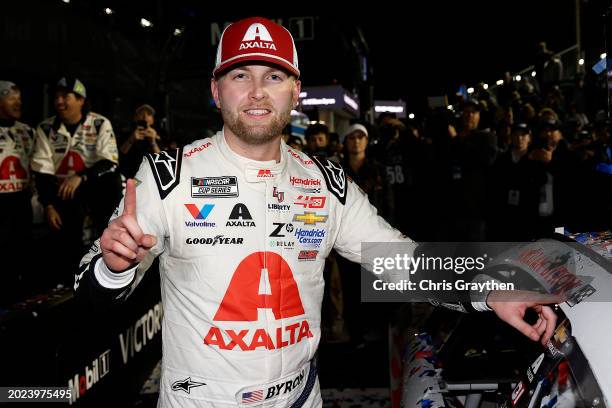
<point x="256" y="39"/>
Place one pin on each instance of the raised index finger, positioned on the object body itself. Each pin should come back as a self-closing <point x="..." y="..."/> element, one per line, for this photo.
<point x="129" y="203"/>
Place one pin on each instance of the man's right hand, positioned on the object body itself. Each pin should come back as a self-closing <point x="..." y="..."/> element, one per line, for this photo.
<point x="511" y="306"/>
<point x="123" y="243"/>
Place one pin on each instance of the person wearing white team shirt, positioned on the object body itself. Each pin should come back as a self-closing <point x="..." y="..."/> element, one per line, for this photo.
<point x="75" y="162"/>
<point x="16" y="139"/>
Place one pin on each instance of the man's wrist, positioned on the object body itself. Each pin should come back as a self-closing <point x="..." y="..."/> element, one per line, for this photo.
<point x="111" y="279"/>
<point x="479" y="299"/>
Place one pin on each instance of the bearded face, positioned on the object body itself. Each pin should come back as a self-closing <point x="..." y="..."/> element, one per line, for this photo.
<point x="256" y="102"/>
<point x="267" y="124"/>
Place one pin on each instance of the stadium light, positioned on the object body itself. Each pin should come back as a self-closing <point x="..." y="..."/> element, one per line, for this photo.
<point x="533" y="74"/>
<point x="178" y="32"/>
<point x="109" y="11"/>
<point x="145" y="23"/>
<point x="470" y="90"/>
<point x="603" y="55"/>
<point x="581" y="61"/>
<point x="517" y="78"/>
<point x="485" y="86"/>
<point x="411" y="116"/>
<point x="500" y="82"/>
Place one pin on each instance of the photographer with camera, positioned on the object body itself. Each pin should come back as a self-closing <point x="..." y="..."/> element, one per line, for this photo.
<point x="142" y="139"/>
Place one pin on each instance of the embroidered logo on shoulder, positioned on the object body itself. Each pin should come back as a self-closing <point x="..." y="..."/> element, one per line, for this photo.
<point x="166" y="168"/>
<point x="296" y="156"/>
<point x="335" y="177"/>
<point x="98" y="124"/>
<point x="197" y="149"/>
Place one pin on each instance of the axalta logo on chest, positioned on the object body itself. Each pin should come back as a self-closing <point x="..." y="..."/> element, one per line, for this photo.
<point x="249" y="340"/>
<point x="245" y="299"/>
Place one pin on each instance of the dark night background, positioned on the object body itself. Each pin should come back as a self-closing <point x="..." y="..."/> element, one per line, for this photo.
<point x="413" y="50"/>
<point x="378" y="50"/>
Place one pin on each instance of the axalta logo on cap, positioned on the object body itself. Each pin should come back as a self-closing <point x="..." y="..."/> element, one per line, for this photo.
<point x="257" y="31"/>
<point x="295" y="181"/>
<point x="256" y="39"/>
<point x="264" y="173"/>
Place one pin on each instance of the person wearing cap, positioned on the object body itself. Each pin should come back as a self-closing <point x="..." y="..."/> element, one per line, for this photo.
<point x="553" y="167"/>
<point x="467" y="158"/>
<point x="242" y="224"/>
<point x="143" y="138"/>
<point x="368" y="173"/>
<point x="75" y="162"/>
<point x="16" y="141"/>
<point x="371" y="177"/>
<point x="512" y="190"/>
<point x="402" y="152"/>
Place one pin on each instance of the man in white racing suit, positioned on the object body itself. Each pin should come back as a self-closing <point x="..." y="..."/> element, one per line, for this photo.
<point x="242" y="225"/>
<point x="75" y="158"/>
<point x="16" y="140"/>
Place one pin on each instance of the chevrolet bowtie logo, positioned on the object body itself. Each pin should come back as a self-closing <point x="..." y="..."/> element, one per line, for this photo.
<point x="309" y="218"/>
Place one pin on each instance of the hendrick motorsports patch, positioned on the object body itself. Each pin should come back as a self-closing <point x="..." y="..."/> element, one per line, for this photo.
<point x="206" y="187"/>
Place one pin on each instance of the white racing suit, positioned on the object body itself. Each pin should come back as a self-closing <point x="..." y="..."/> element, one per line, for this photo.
<point x="59" y="153"/>
<point x="242" y="246"/>
<point x="16" y="144"/>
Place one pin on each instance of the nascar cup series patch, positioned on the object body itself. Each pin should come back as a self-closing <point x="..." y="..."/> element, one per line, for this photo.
<point x="211" y="187"/>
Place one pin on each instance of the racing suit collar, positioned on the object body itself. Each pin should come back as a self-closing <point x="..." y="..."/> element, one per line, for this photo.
<point x="57" y="122"/>
<point x="255" y="171"/>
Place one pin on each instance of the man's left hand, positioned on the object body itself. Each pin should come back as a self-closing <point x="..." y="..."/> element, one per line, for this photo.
<point x="510" y="306"/>
<point x="69" y="187"/>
